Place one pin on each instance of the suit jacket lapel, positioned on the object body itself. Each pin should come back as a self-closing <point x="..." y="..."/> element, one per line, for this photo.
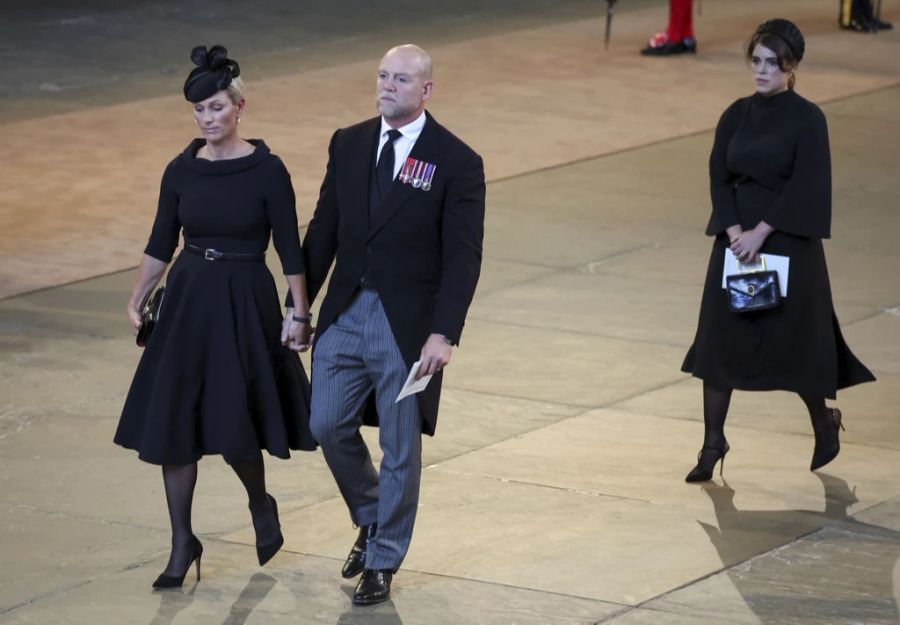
<point x="362" y="165"/>
<point x="425" y="149"/>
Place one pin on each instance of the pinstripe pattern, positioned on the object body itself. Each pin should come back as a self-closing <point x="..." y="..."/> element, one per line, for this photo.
<point x="356" y="354"/>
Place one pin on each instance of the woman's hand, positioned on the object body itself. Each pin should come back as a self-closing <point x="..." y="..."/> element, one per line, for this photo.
<point x="134" y="318"/>
<point x="149" y="274"/>
<point x="747" y="244"/>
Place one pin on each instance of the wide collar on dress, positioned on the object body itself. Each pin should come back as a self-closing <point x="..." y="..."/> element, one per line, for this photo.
<point x="229" y="166"/>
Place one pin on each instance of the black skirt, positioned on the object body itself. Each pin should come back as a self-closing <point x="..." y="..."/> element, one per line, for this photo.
<point x="796" y="347"/>
<point x="214" y="377"/>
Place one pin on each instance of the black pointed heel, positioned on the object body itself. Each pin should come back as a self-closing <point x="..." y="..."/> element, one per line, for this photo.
<point x="176" y="581"/>
<point x="828" y="442"/>
<point x="702" y="474"/>
<point x="264" y="553"/>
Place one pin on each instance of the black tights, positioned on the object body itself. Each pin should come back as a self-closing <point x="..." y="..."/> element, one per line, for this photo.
<point x="715" y="408"/>
<point x="179" y="481"/>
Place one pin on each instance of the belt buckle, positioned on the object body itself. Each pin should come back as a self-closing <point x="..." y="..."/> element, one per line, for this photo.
<point x="211" y="254"/>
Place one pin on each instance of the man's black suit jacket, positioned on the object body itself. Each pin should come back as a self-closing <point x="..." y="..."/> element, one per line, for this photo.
<point x="422" y="249"/>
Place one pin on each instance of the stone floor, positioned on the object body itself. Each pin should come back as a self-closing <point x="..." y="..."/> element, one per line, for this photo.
<point x="553" y="492"/>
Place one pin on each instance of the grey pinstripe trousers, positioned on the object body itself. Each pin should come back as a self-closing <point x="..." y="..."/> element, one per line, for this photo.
<point x="357" y="353"/>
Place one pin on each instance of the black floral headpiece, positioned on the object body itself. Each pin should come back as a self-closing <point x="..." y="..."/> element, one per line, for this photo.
<point x="213" y="73"/>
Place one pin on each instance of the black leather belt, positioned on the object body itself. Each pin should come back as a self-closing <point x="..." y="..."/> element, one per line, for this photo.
<point x="213" y="254"/>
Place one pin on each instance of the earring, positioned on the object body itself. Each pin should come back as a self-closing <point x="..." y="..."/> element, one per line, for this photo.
<point x="238" y="119"/>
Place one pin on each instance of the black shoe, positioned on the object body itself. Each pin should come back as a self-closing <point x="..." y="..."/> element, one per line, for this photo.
<point x="688" y="45"/>
<point x="706" y="463"/>
<point x="356" y="559"/>
<point x="264" y="553"/>
<point x="860" y="25"/>
<point x="374" y="587"/>
<point x="173" y="581"/>
<point x="881" y="25"/>
<point x="828" y="443"/>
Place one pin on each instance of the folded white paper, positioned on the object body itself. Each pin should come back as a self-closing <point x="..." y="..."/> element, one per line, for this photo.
<point x="780" y="264"/>
<point x="412" y="385"/>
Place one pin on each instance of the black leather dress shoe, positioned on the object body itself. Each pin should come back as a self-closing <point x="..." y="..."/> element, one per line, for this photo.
<point x="687" y="45"/>
<point x="356" y="560"/>
<point x="374" y="587"/>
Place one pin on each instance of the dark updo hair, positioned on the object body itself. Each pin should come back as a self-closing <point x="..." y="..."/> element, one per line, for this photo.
<point x="784" y="39"/>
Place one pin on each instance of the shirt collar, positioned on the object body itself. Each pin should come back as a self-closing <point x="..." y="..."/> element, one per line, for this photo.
<point x="410" y="130"/>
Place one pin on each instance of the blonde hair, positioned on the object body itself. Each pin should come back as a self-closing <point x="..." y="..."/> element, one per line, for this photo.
<point x="235" y="89"/>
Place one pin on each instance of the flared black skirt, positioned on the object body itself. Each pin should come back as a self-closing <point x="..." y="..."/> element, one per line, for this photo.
<point x="796" y="347"/>
<point x="214" y="377"/>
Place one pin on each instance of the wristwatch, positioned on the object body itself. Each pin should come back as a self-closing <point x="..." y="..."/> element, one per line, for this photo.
<point x="447" y="340"/>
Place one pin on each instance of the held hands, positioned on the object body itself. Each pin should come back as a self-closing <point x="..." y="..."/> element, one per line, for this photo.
<point x="435" y="355"/>
<point x="746" y="245"/>
<point x="295" y="335"/>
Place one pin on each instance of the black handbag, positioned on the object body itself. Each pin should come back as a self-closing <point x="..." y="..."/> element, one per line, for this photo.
<point x="753" y="290"/>
<point x="149" y="316"/>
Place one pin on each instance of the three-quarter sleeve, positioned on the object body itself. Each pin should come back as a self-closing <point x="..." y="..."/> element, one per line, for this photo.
<point x="803" y="207"/>
<point x="721" y="181"/>
<point x="282" y="213"/>
<point x="167" y="226"/>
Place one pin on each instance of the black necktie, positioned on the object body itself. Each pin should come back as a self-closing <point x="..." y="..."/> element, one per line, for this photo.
<point x="384" y="170"/>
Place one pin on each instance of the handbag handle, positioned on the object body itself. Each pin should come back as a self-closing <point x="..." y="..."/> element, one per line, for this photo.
<point x="761" y="263"/>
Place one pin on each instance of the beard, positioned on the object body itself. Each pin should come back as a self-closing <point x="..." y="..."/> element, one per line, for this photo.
<point x="393" y="110"/>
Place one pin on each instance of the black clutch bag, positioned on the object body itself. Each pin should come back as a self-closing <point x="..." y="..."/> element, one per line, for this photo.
<point x="754" y="290"/>
<point x="149" y="316"/>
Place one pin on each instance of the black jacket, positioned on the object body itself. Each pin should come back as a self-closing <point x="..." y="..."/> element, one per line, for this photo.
<point x="423" y="249"/>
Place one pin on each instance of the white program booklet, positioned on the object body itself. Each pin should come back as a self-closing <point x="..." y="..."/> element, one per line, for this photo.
<point x="412" y="385"/>
<point x="780" y="264"/>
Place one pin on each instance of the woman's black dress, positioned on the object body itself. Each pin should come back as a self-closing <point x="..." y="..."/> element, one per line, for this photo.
<point x="214" y="377"/>
<point x="771" y="162"/>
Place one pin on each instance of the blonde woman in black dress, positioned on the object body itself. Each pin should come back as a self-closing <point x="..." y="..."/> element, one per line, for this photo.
<point x="770" y="182"/>
<point x="216" y="376"/>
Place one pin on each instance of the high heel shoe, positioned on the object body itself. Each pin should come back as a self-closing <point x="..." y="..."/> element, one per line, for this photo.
<point x="828" y="442"/>
<point x="702" y="474"/>
<point x="264" y="553"/>
<point x="175" y="581"/>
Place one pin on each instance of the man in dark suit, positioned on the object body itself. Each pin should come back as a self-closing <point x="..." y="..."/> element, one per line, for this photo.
<point x="401" y="215"/>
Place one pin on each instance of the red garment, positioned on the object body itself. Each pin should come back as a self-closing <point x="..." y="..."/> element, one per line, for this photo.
<point x="681" y="23"/>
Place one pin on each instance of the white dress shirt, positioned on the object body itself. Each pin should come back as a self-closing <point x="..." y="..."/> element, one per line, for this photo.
<point x="404" y="143"/>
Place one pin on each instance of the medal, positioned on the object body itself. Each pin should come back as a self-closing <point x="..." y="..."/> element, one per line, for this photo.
<point x="417" y="174"/>
<point x="406" y="171"/>
<point x="428" y="176"/>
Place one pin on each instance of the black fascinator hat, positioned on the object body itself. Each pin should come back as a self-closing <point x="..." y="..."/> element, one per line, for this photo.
<point x="787" y="31"/>
<point x="213" y="73"/>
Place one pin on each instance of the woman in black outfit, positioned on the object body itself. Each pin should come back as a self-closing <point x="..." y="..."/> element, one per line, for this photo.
<point x="216" y="376"/>
<point x="770" y="182"/>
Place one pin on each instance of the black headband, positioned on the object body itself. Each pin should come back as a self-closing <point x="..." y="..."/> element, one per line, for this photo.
<point x="788" y="32"/>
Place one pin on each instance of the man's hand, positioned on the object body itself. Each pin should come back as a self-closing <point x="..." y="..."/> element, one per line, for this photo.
<point x="299" y="336"/>
<point x="294" y="334"/>
<point x="435" y="355"/>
